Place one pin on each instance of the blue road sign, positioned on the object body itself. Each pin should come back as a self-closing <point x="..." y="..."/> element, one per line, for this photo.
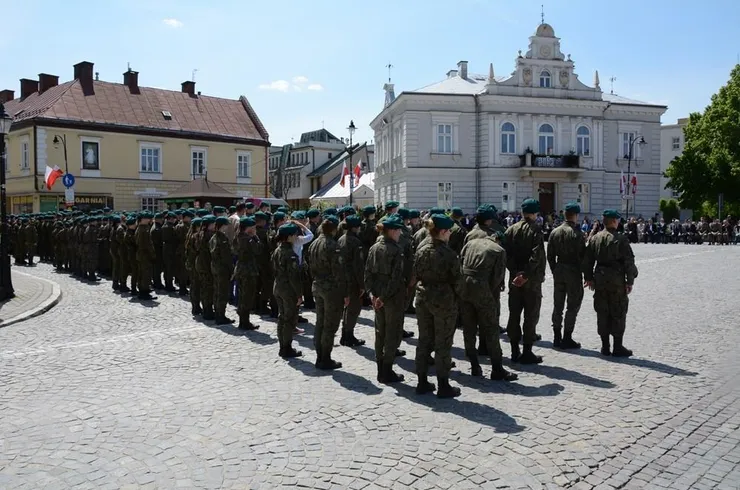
<point x="68" y="180"/>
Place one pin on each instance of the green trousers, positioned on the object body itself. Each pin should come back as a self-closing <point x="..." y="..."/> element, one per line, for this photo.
<point x="389" y="328"/>
<point x="567" y="294"/>
<point x="287" y="318"/>
<point x="436" y="332"/>
<point x="329" y="309"/>
<point x="528" y="300"/>
<point x="611" y="311"/>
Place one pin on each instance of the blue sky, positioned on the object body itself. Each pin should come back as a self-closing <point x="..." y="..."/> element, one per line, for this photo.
<point x="302" y="63"/>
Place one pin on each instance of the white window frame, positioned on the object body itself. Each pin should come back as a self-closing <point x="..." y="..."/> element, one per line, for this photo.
<point x="242" y="177"/>
<point x="446" y="118"/>
<point x="508" y="139"/>
<point x="508" y="196"/>
<point x="676" y="143"/>
<point x="442" y="134"/>
<point x="88" y="172"/>
<point x="193" y="151"/>
<point x="546" y="135"/>
<point x="583" y="141"/>
<point x="584" y="197"/>
<point x="545" y="79"/>
<point x="25" y="154"/>
<point x="150" y="174"/>
<point x="150" y="204"/>
<point x="444" y="195"/>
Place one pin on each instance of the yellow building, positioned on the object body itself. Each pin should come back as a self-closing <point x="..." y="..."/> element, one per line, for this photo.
<point x="128" y="147"/>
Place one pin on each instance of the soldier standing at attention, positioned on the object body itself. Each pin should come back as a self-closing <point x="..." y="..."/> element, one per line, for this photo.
<point x="247" y="271"/>
<point x="437" y="271"/>
<point x="566" y="248"/>
<point x="329" y="291"/>
<point x="114" y="249"/>
<point x="191" y="253"/>
<point x="611" y="280"/>
<point x="181" y="233"/>
<point x="92" y="248"/>
<point x="407" y="245"/>
<point x="31" y="237"/>
<point x="222" y="268"/>
<point x="386" y="283"/>
<point x="156" y="239"/>
<point x="124" y="254"/>
<point x="169" y="249"/>
<point x="314" y="220"/>
<point x="287" y="288"/>
<point x="354" y="261"/>
<point x="458" y="232"/>
<point x="203" y="265"/>
<point x="368" y="236"/>
<point x="526" y="261"/>
<point x="145" y="256"/>
<point x="415" y="220"/>
<point x="267" y="277"/>
<point x="485" y="217"/>
<point x="421" y="234"/>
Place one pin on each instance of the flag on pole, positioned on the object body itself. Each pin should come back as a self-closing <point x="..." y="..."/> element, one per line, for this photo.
<point x="633" y="183"/>
<point x="51" y="176"/>
<point x="345" y="173"/>
<point x="622" y="183"/>
<point x="357" y="172"/>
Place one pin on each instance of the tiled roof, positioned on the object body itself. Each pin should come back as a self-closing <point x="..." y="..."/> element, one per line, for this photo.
<point x="115" y="104"/>
<point x="336" y="160"/>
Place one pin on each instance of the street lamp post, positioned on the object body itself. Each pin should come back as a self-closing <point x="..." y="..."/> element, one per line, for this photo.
<point x="351" y="130"/>
<point x="640" y="140"/>
<point x="6" y="282"/>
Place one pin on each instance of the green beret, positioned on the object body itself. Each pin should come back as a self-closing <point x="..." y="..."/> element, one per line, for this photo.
<point x="232" y="209"/>
<point x="612" y="213"/>
<point x="159" y="216"/>
<point x="288" y="229"/>
<point x="187" y="214"/>
<point x="391" y="204"/>
<point x="283" y="209"/>
<point x="249" y="205"/>
<point x="457" y="213"/>
<point x="414" y="213"/>
<point x="208" y="219"/>
<point x="393" y="222"/>
<point x="106" y="209"/>
<point x="171" y="215"/>
<point x="332" y="219"/>
<point x="572" y="208"/>
<point x="179" y="211"/>
<point x="246" y="222"/>
<point x="201" y="213"/>
<point x="261" y="215"/>
<point x="349" y="211"/>
<point x="330" y="212"/>
<point x="484" y="212"/>
<point x="403" y="213"/>
<point x="442" y="222"/>
<point x="368" y="210"/>
<point x="353" y="221"/>
<point x="278" y="216"/>
<point x="222" y="220"/>
<point x="312" y="213"/>
<point x="193" y="210"/>
<point x="131" y="221"/>
<point x="298" y="215"/>
<point x="436" y="210"/>
<point x="218" y="209"/>
<point x="530" y="206"/>
<point x="196" y="222"/>
<point x="492" y="208"/>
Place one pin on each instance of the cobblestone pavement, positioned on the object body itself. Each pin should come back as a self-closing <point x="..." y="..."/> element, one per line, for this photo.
<point x="33" y="296"/>
<point x="105" y="392"/>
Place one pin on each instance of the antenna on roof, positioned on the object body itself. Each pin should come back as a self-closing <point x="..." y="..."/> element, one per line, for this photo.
<point x="612" y="80"/>
<point x="543" y="13"/>
<point x="389" y="66"/>
<point x="322" y="124"/>
<point x="195" y="70"/>
<point x="128" y="65"/>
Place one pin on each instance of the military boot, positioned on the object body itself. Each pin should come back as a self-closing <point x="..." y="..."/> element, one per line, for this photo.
<point x="183" y="291"/>
<point x="168" y="287"/>
<point x="328" y="364"/>
<point x="557" y="337"/>
<point x="146" y="296"/>
<point x="351" y="341"/>
<point x="116" y="286"/>
<point x="606" y="348"/>
<point x="245" y="324"/>
<point x="498" y="373"/>
<point x="134" y="291"/>
<point x="380" y="371"/>
<point x="400" y="353"/>
<point x="619" y="349"/>
<point x="515" y="352"/>
<point x="123" y="288"/>
<point x="290" y="353"/>
<point x="208" y="313"/>
<point x="389" y="376"/>
<point x="528" y="357"/>
<point x="569" y="343"/>
<point x="445" y="390"/>
<point x="196" y="310"/>
<point x="222" y="319"/>
<point x="482" y="347"/>
<point x="407" y="334"/>
<point x="424" y="386"/>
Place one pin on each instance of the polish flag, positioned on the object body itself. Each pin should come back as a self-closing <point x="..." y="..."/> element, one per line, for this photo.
<point x="345" y="173"/>
<point x="358" y="171"/>
<point x="51" y="176"/>
<point x="633" y="183"/>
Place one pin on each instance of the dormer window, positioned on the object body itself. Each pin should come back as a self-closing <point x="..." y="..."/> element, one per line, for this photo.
<point x="545" y="79"/>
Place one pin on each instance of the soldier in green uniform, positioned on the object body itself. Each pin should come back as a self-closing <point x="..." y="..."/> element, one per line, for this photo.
<point x="566" y="248"/>
<point x="104" y="262"/>
<point x="287" y="288"/>
<point x="222" y="268"/>
<point x="59" y="238"/>
<point x="19" y="245"/>
<point x="415" y="220"/>
<point x="169" y="250"/>
<point x="609" y="270"/>
<point x="386" y="283"/>
<point x="203" y="265"/>
<point x="145" y="256"/>
<point x="484" y="272"/>
<point x="368" y="235"/>
<point x="329" y="291"/>
<point x="247" y="270"/>
<point x="407" y="245"/>
<point x="354" y="261"/>
<point x="181" y="233"/>
<point x="132" y="264"/>
<point x="422" y="233"/>
<point x="485" y="223"/>
<point x="526" y="262"/>
<point x="90" y="240"/>
<point x="458" y="232"/>
<point x="31" y="240"/>
<point x="314" y="221"/>
<point x="156" y="239"/>
<point x="267" y="277"/>
<point x="191" y="253"/>
<point x="437" y="271"/>
<point x="114" y="251"/>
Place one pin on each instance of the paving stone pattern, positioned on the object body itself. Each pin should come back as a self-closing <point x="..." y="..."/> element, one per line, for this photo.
<point x="30" y="293"/>
<point x="105" y="392"/>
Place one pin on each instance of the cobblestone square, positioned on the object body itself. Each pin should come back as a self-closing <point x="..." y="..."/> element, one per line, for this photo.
<point x="106" y="392"/>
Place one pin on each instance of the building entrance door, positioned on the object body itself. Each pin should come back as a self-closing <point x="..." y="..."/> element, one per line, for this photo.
<point x="546" y="197"/>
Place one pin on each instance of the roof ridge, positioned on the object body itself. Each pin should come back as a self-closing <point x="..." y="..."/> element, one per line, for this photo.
<point x="255" y="119"/>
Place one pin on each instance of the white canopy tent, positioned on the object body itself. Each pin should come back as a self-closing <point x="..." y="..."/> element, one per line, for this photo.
<point x="334" y="194"/>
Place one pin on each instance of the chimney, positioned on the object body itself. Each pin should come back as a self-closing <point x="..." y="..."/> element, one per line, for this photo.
<point x="131" y="80"/>
<point x="462" y="67"/>
<point x="451" y="73"/>
<point x="189" y="88"/>
<point x="28" y="87"/>
<point x="84" y="71"/>
<point x="6" y="96"/>
<point x="47" y="81"/>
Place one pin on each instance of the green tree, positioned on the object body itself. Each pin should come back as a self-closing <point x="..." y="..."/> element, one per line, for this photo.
<point x="710" y="163"/>
<point x="670" y="209"/>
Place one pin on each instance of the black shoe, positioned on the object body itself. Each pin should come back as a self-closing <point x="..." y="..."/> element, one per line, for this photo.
<point x="515" y="352"/>
<point x="196" y="310"/>
<point x="400" y="353"/>
<point x="123" y="288"/>
<point x="309" y="306"/>
<point x="476" y="370"/>
<point x="407" y="334"/>
<point x="557" y="339"/>
<point x="146" y="296"/>
<point x="445" y="390"/>
<point x="208" y="315"/>
<point x="621" y="351"/>
<point x="606" y="348"/>
<point x="329" y="365"/>
<point x="528" y="357"/>
<point x="302" y="320"/>
<point x="134" y="291"/>
<point x="380" y="371"/>
<point x="425" y="386"/>
<point x="389" y="376"/>
<point x="538" y="337"/>
<point x="170" y="289"/>
<point x="569" y="343"/>
<point x="224" y="321"/>
<point x="183" y="291"/>
<point x="351" y="342"/>
<point x="290" y="353"/>
<point x="501" y="374"/>
<point x="116" y="286"/>
<point x="411" y="310"/>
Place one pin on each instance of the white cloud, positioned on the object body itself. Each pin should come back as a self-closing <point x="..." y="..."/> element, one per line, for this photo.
<point x="277" y="85"/>
<point x="173" y="23"/>
<point x="300" y="80"/>
<point x="315" y="87"/>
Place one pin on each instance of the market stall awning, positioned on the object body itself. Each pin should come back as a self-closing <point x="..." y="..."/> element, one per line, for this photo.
<point x="335" y="191"/>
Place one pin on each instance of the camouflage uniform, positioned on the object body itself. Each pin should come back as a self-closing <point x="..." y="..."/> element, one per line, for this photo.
<point x="565" y="250"/>
<point x="92" y="250"/>
<point x="354" y="261"/>
<point x="287" y="290"/>
<point x="145" y="257"/>
<point x="30" y="239"/>
<point x="181" y="271"/>
<point x="205" y="275"/>
<point x="222" y="269"/>
<point x="169" y="250"/>
<point x="192" y="248"/>
<point x="267" y="275"/>
<point x="114" y="252"/>
<point x="131" y="259"/>
<point x="157" y="261"/>
<point x="246" y="273"/>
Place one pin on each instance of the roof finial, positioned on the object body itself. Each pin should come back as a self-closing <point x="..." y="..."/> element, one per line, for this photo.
<point x="612" y="80"/>
<point x="490" y="73"/>
<point x="389" y="66"/>
<point x="543" y="13"/>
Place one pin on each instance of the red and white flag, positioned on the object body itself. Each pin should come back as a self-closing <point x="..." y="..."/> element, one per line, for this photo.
<point x="345" y="173"/>
<point x="358" y="172"/>
<point x="633" y="183"/>
<point x="51" y="176"/>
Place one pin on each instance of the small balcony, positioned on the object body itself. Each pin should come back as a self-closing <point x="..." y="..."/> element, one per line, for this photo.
<point x="532" y="162"/>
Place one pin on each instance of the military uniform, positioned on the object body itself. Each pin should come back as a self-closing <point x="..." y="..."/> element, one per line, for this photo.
<point x="157" y="260"/>
<point x="354" y="261"/>
<point x="203" y="267"/>
<point x="92" y="249"/>
<point x="222" y="269"/>
<point x="181" y="234"/>
<point x="131" y="260"/>
<point x="145" y="257"/>
<point x="267" y="278"/>
<point x="169" y="252"/>
<point x="287" y="290"/>
<point x="248" y="249"/>
<point x="192" y="244"/>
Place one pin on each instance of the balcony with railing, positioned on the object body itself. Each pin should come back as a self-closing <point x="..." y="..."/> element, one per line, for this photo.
<point x="531" y="162"/>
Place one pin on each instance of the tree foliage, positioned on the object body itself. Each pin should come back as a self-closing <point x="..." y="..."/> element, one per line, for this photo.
<point x="710" y="163"/>
<point x="670" y="209"/>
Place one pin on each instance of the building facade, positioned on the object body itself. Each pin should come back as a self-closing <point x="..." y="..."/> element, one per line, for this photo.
<point x="671" y="146"/>
<point x="127" y="146"/>
<point x="539" y="132"/>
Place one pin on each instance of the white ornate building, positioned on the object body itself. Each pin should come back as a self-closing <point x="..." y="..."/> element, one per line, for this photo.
<point x="539" y="132"/>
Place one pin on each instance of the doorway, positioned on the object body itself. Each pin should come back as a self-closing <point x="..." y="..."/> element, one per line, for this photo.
<point x="546" y="196"/>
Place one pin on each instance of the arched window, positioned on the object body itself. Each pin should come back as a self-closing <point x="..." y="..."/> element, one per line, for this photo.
<point x="583" y="141"/>
<point x="508" y="138"/>
<point x="545" y="79"/>
<point x="546" y="139"/>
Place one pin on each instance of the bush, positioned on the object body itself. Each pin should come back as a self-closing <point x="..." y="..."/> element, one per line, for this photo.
<point x="670" y="209"/>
